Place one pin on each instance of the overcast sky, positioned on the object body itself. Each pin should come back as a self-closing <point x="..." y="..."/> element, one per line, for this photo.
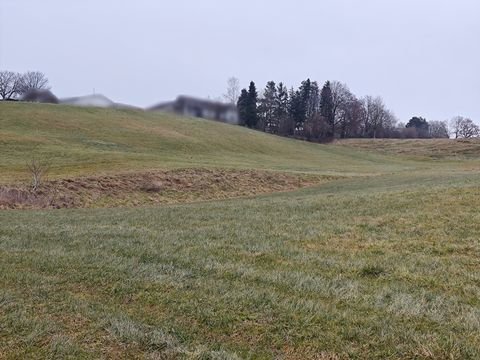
<point x="421" y="56"/>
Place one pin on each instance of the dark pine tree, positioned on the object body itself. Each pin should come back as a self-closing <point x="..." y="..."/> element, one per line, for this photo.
<point x="252" y="115"/>
<point x="242" y="106"/>
<point x="285" y="125"/>
<point x="266" y="110"/>
<point x="251" y="108"/>
<point x="312" y="101"/>
<point x="327" y="108"/>
<point x="296" y="110"/>
<point x="420" y="124"/>
<point x="305" y="90"/>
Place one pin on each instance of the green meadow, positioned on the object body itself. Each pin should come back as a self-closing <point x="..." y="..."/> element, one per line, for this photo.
<point x="381" y="263"/>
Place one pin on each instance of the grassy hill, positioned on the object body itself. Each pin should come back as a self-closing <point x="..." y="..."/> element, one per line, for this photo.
<point x="361" y="267"/>
<point x="77" y="141"/>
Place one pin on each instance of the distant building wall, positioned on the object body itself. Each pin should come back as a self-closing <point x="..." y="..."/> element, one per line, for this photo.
<point x="206" y="109"/>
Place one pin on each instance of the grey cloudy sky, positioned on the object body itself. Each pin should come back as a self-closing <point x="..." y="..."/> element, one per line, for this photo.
<point x="421" y="56"/>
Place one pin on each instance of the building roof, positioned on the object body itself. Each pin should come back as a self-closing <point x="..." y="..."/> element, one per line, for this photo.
<point x="95" y="100"/>
<point x="184" y="100"/>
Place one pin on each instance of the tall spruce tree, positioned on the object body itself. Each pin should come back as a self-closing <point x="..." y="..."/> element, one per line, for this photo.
<point x="267" y="108"/>
<point x="242" y="105"/>
<point x="313" y="101"/>
<point x="305" y="89"/>
<point x="285" y="125"/>
<point x="251" y="106"/>
<point x="296" y="110"/>
<point x="327" y="108"/>
<point x="313" y="128"/>
<point x="305" y="92"/>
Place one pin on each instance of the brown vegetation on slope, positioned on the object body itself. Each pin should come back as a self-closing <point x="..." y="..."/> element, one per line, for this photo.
<point x="427" y="148"/>
<point x="152" y="187"/>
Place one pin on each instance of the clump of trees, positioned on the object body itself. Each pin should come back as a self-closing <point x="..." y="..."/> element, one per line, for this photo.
<point x="322" y="113"/>
<point x="14" y="85"/>
<point x="247" y="106"/>
<point x="313" y="112"/>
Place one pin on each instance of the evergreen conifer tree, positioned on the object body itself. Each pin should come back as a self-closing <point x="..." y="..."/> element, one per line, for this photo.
<point x="251" y="106"/>
<point x="285" y="125"/>
<point x="327" y="108"/>
<point x="242" y="105"/>
<point x="268" y="108"/>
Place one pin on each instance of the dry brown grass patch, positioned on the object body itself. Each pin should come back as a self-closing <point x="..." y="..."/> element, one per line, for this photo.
<point x="428" y="148"/>
<point x="152" y="187"/>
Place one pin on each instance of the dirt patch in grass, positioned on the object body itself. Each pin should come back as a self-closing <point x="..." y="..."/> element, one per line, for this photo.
<point x="152" y="187"/>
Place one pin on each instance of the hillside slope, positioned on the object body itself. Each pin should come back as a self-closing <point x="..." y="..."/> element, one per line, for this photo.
<point x="82" y="141"/>
<point x="419" y="148"/>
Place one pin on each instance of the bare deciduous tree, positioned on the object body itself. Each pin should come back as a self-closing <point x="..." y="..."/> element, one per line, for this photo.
<point x="469" y="129"/>
<point x="342" y="99"/>
<point x="32" y="80"/>
<point x="233" y="90"/>
<point x="464" y="128"/>
<point x="377" y="118"/>
<point x="9" y="84"/>
<point x="455" y="124"/>
<point x="351" y="116"/>
<point x="438" y="129"/>
<point x="341" y="95"/>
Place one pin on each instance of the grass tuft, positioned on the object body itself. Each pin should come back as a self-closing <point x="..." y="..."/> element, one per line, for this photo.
<point x="147" y="338"/>
<point x="373" y="271"/>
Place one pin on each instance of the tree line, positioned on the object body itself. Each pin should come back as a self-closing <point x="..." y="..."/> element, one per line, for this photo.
<point x="309" y="112"/>
<point x="332" y="111"/>
<point x="14" y="86"/>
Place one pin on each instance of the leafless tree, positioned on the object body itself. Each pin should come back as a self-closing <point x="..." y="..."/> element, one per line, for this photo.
<point x="9" y="84"/>
<point x="376" y="117"/>
<point x="315" y="128"/>
<point x="37" y="170"/>
<point x="342" y="97"/>
<point x="464" y="128"/>
<point x="233" y="90"/>
<point x="350" y="120"/>
<point x="438" y="129"/>
<point x="455" y="125"/>
<point x="32" y="80"/>
<point x="389" y="123"/>
<point x="346" y="108"/>
<point x="469" y="129"/>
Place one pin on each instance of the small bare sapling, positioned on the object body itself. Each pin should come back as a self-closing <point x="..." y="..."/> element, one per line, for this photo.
<point x="37" y="170"/>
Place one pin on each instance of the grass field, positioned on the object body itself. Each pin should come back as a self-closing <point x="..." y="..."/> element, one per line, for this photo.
<point x="381" y="263"/>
